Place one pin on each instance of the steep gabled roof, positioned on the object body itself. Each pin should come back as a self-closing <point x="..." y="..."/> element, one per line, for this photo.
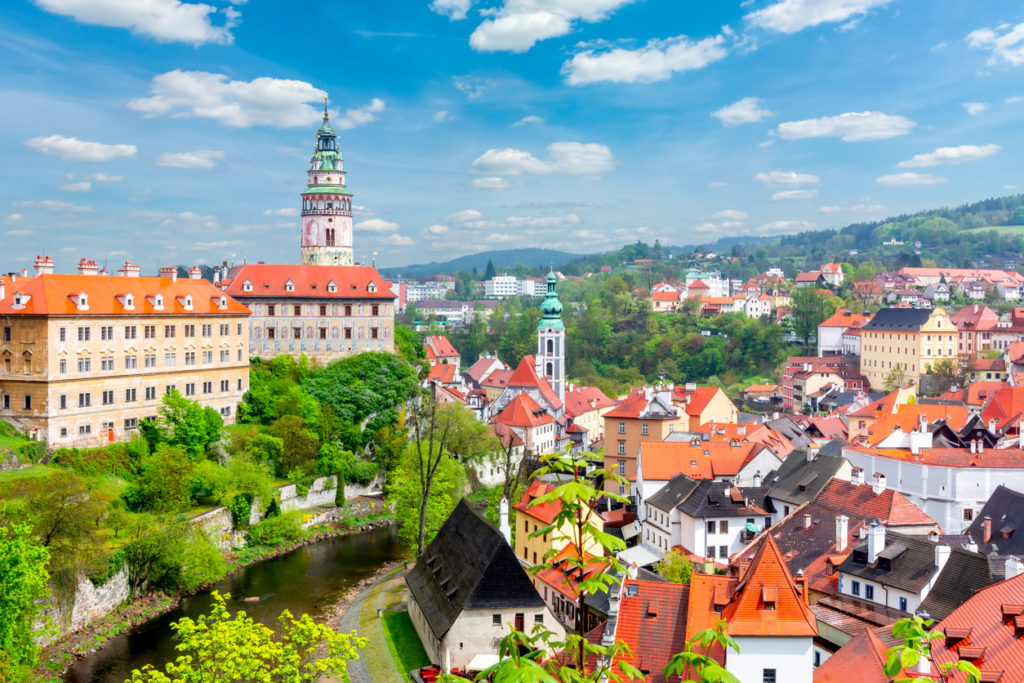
<point x="1005" y="509"/>
<point x="862" y="660"/>
<point x="468" y="565"/>
<point x="798" y="481"/>
<point x="525" y="376"/>
<point x="652" y="622"/>
<point x="751" y="611"/>
<point x="442" y="347"/>
<point x="964" y="574"/>
<point x="892" y="507"/>
<point x="723" y="499"/>
<point x="912" y="563"/>
<point x="673" y="493"/>
<point x="523" y="411"/>
<point x="442" y="373"/>
<point x="545" y="512"/>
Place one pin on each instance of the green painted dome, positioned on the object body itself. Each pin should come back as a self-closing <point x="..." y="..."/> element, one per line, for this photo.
<point x="551" y="307"/>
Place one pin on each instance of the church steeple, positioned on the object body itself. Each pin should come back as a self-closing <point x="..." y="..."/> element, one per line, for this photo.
<point x="326" y="203"/>
<point x="551" y="339"/>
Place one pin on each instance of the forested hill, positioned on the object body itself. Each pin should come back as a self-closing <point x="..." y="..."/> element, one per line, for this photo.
<point x="502" y="259"/>
<point x="950" y="235"/>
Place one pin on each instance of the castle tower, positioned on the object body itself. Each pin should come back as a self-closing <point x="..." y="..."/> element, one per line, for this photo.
<point x="551" y="340"/>
<point x="326" y="204"/>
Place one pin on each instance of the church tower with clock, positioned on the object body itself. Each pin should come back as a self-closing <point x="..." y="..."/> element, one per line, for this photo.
<point x="326" y="204"/>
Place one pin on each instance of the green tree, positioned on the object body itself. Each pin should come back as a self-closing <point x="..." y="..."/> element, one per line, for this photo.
<point x="221" y="647"/>
<point x="490" y="271"/>
<point x="427" y="486"/>
<point x="676" y="567"/>
<point x="810" y="308"/>
<point x="895" y="379"/>
<point x="164" y="482"/>
<point x="184" y="422"/>
<point x="301" y="445"/>
<point x="24" y="582"/>
<point x="917" y="644"/>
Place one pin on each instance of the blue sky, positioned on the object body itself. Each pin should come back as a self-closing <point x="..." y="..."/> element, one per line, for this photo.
<point x="168" y="131"/>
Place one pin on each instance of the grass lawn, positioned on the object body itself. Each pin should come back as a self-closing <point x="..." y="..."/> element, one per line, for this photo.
<point x="31" y="471"/>
<point x="1001" y="229"/>
<point x="10" y="437"/>
<point x="403" y="641"/>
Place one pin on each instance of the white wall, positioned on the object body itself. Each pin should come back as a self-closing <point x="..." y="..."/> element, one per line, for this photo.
<point x="830" y="339"/>
<point x="474" y="632"/>
<point x="791" y="658"/>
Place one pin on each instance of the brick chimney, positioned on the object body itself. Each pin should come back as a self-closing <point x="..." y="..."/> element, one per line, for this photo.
<point x="129" y="269"/>
<point x="43" y="264"/>
<point x="195" y="273"/>
<point x="987" y="526"/>
<point x="87" y="267"/>
<point x="169" y="271"/>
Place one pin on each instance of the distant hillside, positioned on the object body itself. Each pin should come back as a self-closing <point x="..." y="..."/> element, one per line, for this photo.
<point x="504" y="258"/>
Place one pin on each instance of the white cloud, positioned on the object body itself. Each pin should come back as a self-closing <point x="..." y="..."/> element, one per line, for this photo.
<point x="15" y="217"/>
<point x="856" y="208"/>
<point x="518" y="24"/>
<point x="705" y="228"/>
<point x="794" y="194"/>
<point x="490" y="183"/>
<point x="849" y="127"/>
<point x="717" y="183"/>
<point x="377" y="225"/>
<point x="104" y="178"/>
<point x="787" y="178"/>
<point x="911" y="179"/>
<point x="472" y="86"/>
<point x="502" y="237"/>
<point x="731" y="214"/>
<point x="950" y="155"/>
<point x="543" y="222"/>
<point x="441" y="115"/>
<point x="766" y="143"/>
<point x="84" y="186"/>
<point x="73" y="149"/>
<point x="1014" y="100"/>
<point x="453" y="9"/>
<point x="54" y="205"/>
<point x="528" y="119"/>
<point x="464" y="216"/>
<point x="262" y="101"/>
<point x="1006" y="42"/>
<point x="656" y="61"/>
<point x="401" y="240"/>
<point x="747" y="110"/>
<point x="565" y="157"/>
<point x="202" y="158"/>
<point x="781" y="227"/>
<point x="437" y="229"/>
<point x="222" y="244"/>
<point x="975" y="108"/>
<point x="163" y="20"/>
<point x="357" y="117"/>
<point x="790" y="16"/>
<point x="281" y="212"/>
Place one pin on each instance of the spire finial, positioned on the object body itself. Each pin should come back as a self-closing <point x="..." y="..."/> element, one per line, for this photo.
<point x="325" y="108"/>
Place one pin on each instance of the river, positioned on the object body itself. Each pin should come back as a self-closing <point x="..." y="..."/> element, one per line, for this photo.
<point x="307" y="580"/>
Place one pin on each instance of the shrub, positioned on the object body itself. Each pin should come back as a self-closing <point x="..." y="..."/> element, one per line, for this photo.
<point x="201" y="562"/>
<point x="240" y="506"/>
<point x="113" y="459"/>
<point x="278" y="530"/>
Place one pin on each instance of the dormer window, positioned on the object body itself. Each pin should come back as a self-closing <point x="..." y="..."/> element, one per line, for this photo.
<point x="158" y="302"/>
<point x="83" y="302"/>
<point x="372" y="288"/>
<point x="289" y="286"/>
<point x="332" y="287"/>
<point x="20" y="300"/>
<point x="187" y="302"/>
<point x="247" y="286"/>
<point x="222" y="303"/>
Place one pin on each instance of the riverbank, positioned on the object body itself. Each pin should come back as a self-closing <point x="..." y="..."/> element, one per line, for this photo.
<point x="58" y="656"/>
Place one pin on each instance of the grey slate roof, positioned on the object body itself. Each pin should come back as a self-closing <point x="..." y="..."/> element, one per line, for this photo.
<point x="898" y="319"/>
<point x="671" y="494"/>
<point x="911" y="560"/>
<point x="790" y="429"/>
<point x="1006" y="509"/>
<point x="468" y="565"/>
<point x="798" y="481"/>
<point x="713" y="499"/>
<point x="964" y="574"/>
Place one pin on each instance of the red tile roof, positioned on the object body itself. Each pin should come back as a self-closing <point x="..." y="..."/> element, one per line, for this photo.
<point x="652" y="624"/>
<point x="862" y="660"/>
<point x="578" y="400"/>
<point x="844" y="318"/>
<point x="497" y="379"/>
<point x="506" y="434"/>
<point x="525" y="376"/>
<point x="662" y="460"/>
<point x="57" y="294"/>
<point x="699" y="398"/>
<point x="892" y="507"/>
<point x="953" y="457"/>
<point x="442" y="347"/>
<point x="1005" y="404"/>
<point x="269" y="280"/>
<point x="545" y="512"/>
<point x="476" y="370"/>
<point x="761" y="388"/>
<point x="442" y="373"/>
<point x="665" y="296"/>
<point x="564" y="577"/>
<point x="523" y="411"/>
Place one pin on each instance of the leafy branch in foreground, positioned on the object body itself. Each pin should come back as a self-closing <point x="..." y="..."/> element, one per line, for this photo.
<point x="219" y="647"/>
<point x="917" y="644"/>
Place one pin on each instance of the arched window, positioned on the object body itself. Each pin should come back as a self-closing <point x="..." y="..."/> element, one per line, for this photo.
<point x="551" y="370"/>
<point x="551" y="346"/>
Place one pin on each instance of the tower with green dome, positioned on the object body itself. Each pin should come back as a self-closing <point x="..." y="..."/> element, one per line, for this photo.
<point x="551" y="339"/>
<point x="326" y="205"/>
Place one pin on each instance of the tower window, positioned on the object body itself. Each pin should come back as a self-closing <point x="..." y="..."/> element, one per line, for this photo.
<point x="551" y="346"/>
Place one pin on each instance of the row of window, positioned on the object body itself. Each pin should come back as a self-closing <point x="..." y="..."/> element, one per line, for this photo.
<point x="131" y="395"/>
<point x="130" y="424"/>
<point x="131" y="361"/>
<point x="321" y="333"/>
<point x="272" y="310"/>
<point x="106" y="332"/>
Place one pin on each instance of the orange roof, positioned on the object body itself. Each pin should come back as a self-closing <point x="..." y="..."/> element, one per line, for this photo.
<point x="1005" y="404"/>
<point x="270" y="280"/>
<point x="662" y="460"/>
<point x="523" y="411"/>
<point x="698" y="284"/>
<point x="699" y="398"/>
<point x="525" y="375"/>
<point x="862" y="660"/>
<point x="908" y="416"/>
<point x="506" y="435"/>
<point x="952" y="457"/>
<point x="767" y="580"/>
<point x="442" y="373"/>
<point x="753" y="433"/>
<point x="761" y="388"/>
<point x="843" y="318"/>
<point x="877" y="408"/>
<point x="443" y="348"/>
<point x="57" y="294"/>
<point x="665" y="296"/>
<point x="652" y="624"/>
<point x="578" y="400"/>
<point x="497" y="379"/>
<point x="563" y="577"/>
<point x="545" y="512"/>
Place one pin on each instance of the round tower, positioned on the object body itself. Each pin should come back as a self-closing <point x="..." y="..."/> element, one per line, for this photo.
<point x="551" y="340"/>
<point x="326" y="204"/>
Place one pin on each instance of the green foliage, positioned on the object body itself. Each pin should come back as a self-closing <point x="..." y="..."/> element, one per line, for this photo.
<point x="916" y="644"/>
<point x="23" y="584"/>
<point x="119" y="459"/>
<point x="279" y="530"/>
<point x="240" y="506"/>
<point x="676" y="567"/>
<point x="810" y="308"/>
<point x="164" y="482"/>
<point x="185" y="423"/>
<point x="152" y="554"/>
<point x="222" y="647"/>
<point x="412" y="498"/>
<point x="201" y="561"/>
<point x="693" y="664"/>
<point x="301" y="445"/>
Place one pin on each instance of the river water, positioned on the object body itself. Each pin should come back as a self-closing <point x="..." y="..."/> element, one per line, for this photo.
<point x="307" y="580"/>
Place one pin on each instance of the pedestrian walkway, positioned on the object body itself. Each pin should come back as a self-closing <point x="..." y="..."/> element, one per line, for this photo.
<point x="375" y="657"/>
